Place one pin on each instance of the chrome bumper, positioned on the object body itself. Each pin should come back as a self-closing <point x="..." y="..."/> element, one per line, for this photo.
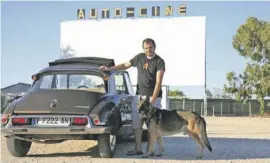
<point x="57" y="131"/>
<point x="9" y="129"/>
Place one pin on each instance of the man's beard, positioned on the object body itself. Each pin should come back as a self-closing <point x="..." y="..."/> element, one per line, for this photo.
<point x="151" y="55"/>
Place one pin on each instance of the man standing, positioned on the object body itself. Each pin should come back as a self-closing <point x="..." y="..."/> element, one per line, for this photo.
<point x="151" y="68"/>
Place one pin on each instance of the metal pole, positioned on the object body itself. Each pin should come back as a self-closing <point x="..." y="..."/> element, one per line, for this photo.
<point x="249" y="108"/>
<point x="242" y="108"/>
<point x="205" y="105"/>
<point x="205" y="96"/>
<point x="213" y="110"/>
<point x="229" y="108"/>
<point x="234" y="108"/>
<point x="201" y="108"/>
<point x="194" y="103"/>
<point x="221" y="108"/>
<point x="183" y="104"/>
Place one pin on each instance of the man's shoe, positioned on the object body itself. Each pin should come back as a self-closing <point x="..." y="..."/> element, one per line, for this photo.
<point x="134" y="152"/>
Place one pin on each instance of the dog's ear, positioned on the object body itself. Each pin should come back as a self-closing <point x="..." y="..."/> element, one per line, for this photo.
<point x="140" y="98"/>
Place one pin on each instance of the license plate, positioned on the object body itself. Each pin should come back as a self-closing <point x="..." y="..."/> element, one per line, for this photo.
<point x="51" y="121"/>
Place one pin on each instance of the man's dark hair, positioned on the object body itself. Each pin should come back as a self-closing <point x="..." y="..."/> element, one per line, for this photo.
<point x="147" y="40"/>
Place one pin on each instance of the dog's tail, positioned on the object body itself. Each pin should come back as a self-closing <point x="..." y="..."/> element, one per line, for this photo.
<point x="204" y="137"/>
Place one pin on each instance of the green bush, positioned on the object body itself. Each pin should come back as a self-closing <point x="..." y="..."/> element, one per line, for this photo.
<point x="4" y="101"/>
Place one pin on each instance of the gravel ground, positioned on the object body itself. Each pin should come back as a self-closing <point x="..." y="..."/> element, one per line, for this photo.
<point x="232" y="139"/>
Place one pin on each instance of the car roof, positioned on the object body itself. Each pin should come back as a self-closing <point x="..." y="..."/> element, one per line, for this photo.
<point x="79" y="64"/>
<point x="94" y="61"/>
<point x="70" y="67"/>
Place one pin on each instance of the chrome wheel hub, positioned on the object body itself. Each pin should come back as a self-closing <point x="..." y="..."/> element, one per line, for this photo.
<point x="112" y="142"/>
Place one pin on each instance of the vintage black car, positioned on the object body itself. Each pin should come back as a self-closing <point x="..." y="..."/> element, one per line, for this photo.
<point x="71" y="99"/>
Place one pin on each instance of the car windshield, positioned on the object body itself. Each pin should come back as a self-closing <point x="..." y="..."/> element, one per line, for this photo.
<point x="71" y="81"/>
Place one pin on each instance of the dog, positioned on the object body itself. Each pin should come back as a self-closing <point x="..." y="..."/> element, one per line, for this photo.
<point x="168" y="122"/>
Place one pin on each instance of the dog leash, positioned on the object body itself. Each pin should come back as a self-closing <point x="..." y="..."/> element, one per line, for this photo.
<point x="148" y="120"/>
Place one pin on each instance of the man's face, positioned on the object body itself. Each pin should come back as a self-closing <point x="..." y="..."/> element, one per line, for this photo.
<point x="149" y="49"/>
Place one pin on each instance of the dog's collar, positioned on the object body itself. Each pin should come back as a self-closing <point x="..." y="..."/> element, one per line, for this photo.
<point x="151" y="116"/>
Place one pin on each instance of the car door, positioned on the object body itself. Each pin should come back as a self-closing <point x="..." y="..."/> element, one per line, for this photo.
<point x="130" y="96"/>
<point x="122" y="94"/>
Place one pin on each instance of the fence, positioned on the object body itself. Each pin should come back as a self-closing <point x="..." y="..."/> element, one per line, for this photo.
<point x="219" y="107"/>
<point x="215" y="107"/>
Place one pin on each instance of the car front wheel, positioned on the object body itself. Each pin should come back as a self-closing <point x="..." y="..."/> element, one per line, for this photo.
<point x="107" y="145"/>
<point x="18" y="148"/>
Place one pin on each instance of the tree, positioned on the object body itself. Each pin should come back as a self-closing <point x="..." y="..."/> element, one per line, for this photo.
<point x="220" y="94"/>
<point x="208" y="93"/>
<point x="217" y="93"/>
<point x="252" y="41"/>
<point x="67" y="52"/>
<point x="176" y="93"/>
<point x="3" y="99"/>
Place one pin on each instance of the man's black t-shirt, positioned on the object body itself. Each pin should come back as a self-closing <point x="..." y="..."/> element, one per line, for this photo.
<point x="147" y="71"/>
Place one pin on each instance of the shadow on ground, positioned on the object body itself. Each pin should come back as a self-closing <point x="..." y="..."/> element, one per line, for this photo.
<point x="91" y="152"/>
<point x="184" y="148"/>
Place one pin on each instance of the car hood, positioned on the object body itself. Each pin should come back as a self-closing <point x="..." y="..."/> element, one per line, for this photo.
<point x="58" y="102"/>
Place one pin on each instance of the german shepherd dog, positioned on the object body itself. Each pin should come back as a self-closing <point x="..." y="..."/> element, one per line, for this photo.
<point x="172" y="122"/>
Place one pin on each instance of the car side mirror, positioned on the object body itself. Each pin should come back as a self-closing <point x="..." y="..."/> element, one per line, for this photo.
<point x="34" y="77"/>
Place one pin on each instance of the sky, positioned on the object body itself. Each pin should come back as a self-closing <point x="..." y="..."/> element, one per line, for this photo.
<point x="30" y="35"/>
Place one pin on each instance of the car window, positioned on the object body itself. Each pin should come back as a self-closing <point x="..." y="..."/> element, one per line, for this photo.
<point x="46" y="82"/>
<point x="129" y="85"/>
<point x="73" y="81"/>
<point x="61" y="81"/>
<point x="120" y="84"/>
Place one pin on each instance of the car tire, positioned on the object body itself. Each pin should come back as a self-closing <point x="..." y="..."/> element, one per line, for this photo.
<point x="107" y="145"/>
<point x="145" y="135"/>
<point x="18" y="148"/>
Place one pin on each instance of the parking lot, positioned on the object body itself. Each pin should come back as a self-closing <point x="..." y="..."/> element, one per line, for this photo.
<point x="234" y="139"/>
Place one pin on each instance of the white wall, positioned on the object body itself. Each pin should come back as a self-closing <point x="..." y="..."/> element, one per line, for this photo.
<point x="180" y="42"/>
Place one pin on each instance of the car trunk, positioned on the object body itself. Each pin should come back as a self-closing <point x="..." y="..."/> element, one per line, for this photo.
<point x="58" y="102"/>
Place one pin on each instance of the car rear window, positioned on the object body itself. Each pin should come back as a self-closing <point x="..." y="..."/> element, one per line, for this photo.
<point x="71" y="81"/>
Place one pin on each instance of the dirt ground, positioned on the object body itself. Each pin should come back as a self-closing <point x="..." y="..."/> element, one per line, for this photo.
<point x="233" y="139"/>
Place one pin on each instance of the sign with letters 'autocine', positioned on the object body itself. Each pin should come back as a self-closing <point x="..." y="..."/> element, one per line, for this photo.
<point x="130" y="12"/>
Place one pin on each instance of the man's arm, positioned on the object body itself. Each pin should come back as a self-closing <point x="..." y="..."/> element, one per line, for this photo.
<point x="159" y="79"/>
<point x="121" y="66"/>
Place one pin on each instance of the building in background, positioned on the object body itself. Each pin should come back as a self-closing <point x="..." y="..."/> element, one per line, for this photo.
<point x="16" y="89"/>
<point x="12" y="92"/>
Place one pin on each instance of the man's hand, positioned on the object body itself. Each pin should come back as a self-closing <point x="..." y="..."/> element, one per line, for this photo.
<point x="104" y="68"/>
<point x="152" y="101"/>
